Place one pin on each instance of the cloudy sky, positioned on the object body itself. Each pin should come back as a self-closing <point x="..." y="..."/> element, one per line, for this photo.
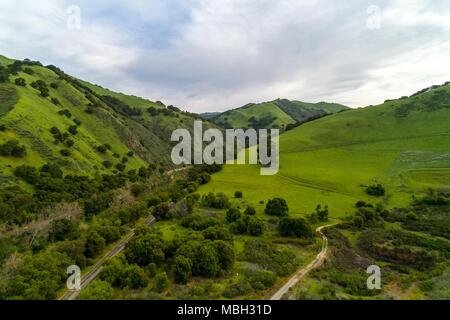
<point x="218" y="54"/>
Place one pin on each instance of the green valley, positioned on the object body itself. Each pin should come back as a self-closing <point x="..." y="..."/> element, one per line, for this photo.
<point x="87" y="180"/>
<point x="401" y="144"/>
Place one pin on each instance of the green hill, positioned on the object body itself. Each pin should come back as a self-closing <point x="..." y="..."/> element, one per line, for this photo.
<point x="209" y="115"/>
<point x="279" y="113"/>
<point x="107" y="127"/>
<point x="403" y="144"/>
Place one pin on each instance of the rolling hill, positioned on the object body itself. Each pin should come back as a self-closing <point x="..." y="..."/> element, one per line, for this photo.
<point x="403" y="144"/>
<point x="204" y="245"/>
<point x="107" y="128"/>
<point x="279" y="113"/>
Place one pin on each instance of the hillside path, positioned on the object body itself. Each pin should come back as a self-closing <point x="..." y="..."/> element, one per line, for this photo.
<point x="317" y="262"/>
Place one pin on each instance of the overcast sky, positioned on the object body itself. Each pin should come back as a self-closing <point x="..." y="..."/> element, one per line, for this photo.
<point x="220" y="54"/>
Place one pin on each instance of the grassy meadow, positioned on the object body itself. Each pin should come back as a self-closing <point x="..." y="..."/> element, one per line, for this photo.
<point x="402" y="144"/>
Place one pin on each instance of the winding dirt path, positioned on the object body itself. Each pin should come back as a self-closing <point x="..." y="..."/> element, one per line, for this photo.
<point x="317" y="262"/>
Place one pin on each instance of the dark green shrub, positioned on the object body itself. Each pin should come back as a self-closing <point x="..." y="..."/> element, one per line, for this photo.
<point x="97" y="290"/>
<point x="217" y="233"/>
<point x="255" y="226"/>
<point x="277" y="207"/>
<point x="182" y="269"/>
<point x="294" y="227"/>
<point x="161" y="282"/>
<point x="102" y="149"/>
<point x="94" y="244"/>
<point x="233" y="214"/>
<point x="27" y="173"/>
<point x="376" y="190"/>
<point x="12" y="148"/>
<point x="65" y="152"/>
<point x="120" y="166"/>
<point x="239" y="226"/>
<point x="145" y="249"/>
<point x="216" y="201"/>
<point x="69" y="143"/>
<point x="73" y="130"/>
<point x="250" y="211"/>
<point x="62" y="229"/>
<point x="20" y="82"/>
<point x="137" y="189"/>
<point x="28" y="71"/>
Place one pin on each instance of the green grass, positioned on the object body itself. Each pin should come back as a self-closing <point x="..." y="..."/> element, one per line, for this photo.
<point x="28" y="118"/>
<point x="8" y="98"/>
<point x="441" y="287"/>
<point x="133" y="101"/>
<point x="327" y="161"/>
<point x="4" y="60"/>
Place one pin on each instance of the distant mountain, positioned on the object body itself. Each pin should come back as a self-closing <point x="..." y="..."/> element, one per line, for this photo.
<point x="280" y="113"/>
<point x="209" y="115"/>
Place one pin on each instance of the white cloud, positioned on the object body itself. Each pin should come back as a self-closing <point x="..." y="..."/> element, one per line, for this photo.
<point x="213" y="55"/>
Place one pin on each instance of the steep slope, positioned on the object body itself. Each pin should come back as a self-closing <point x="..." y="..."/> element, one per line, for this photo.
<point x="4" y="60"/>
<point x="304" y="111"/>
<point x="403" y="144"/>
<point x="80" y="126"/>
<point x="279" y="113"/>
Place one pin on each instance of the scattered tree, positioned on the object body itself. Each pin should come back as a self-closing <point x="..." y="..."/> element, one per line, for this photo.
<point x="20" y="82"/>
<point x="376" y="190"/>
<point x="250" y="211"/>
<point x="233" y="214"/>
<point x="277" y="207"/>
<point x="295" y="227"/>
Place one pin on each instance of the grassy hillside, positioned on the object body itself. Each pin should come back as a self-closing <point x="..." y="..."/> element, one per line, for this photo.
<point x="4" y="60"/>
<point x="101" y="117"/>
<point x="130" y="100"/>
<point x="402" y="144"/>
<point x="304" y="111"/>
<point x="267" y="115"/>
<point x="275" y="114"/>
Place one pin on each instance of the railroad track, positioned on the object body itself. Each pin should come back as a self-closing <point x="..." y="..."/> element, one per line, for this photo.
<point x="87" y="278"/>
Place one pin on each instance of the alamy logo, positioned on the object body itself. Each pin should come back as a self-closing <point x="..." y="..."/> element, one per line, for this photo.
<point x="263" y="147"/>
<point x="374" y="280"/>
<point x="73" y="18"/>
<point x="74" y="279"/>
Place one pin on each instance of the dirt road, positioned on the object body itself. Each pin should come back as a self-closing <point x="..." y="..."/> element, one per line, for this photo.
<point x="317" y="262"/>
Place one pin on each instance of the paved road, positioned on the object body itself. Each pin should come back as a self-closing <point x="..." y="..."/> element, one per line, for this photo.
<point x="95" y="270"/>
<point x="317" y="262"/>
